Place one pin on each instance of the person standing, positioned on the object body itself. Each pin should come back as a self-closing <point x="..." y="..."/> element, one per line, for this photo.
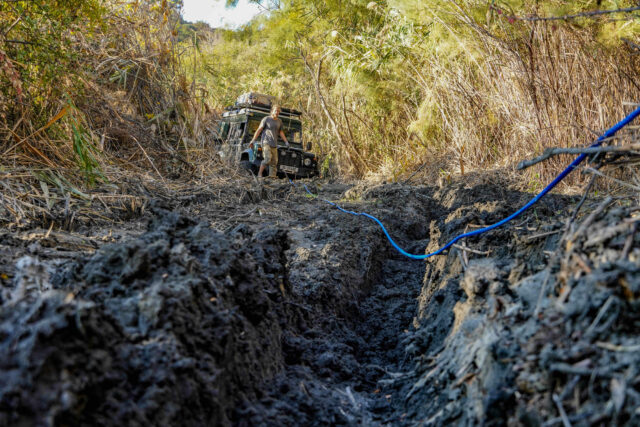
<point x="272" y="127"/>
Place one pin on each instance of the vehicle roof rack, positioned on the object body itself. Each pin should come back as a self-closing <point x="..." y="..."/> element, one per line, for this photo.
<point x="266" y="109"/>
<point x="288" y="114"/>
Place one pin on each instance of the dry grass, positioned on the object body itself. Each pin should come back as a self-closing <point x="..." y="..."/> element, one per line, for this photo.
<point x="135" y="124"/>
<point x="489" y="95"/>
<point x="123" y="124"/>
<point x="557" y="87"/>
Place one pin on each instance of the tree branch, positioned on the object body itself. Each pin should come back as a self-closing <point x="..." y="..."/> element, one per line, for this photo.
<point x="567" y="17"/>
<point x="550" y="152"/>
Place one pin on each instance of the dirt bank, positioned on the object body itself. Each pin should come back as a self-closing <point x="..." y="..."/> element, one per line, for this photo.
<point x="279" y="310"/>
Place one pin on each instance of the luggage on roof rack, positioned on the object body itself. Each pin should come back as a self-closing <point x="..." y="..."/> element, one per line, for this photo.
<point x="254" y="99"/>
<point x="284" y="112"/>
<point x="261" y="102"/>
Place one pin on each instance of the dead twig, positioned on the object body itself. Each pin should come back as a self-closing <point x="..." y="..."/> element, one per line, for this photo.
<point x="583" y="372"/>
<point x="629" y="242"/>
<point x="149" y="159"/>
<point x="588" y="14"/>
<point x="462" y="260"/>
<point x="242" y="215"/>
<point x="592" y="216"/>
<point x="473" y="251"/>
<point x="582" y="200"/>
<point x="599" y="316"/>
<point x="545" y="234"/>
<point x="617" y="181"/>
<point x="563" y="414"/>
<point x="620" y="348"/>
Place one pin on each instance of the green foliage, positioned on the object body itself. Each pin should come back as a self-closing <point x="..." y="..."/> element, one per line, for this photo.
<point x="384" y="84"/>
<point x="64" y="60"/>
<point x="83" y="147"/>
<point x="187" y="30"/>
<point x="361" y="48"/>
<point x="39" y="37"/>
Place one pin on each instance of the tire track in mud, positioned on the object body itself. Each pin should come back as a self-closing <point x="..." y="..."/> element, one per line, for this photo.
<point x="407" y="327"/>
<point x="350" y="355"/>
<point x="387" y="312"/>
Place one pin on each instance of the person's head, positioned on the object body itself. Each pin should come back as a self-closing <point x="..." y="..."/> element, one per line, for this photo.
<point x="275" y="111"/>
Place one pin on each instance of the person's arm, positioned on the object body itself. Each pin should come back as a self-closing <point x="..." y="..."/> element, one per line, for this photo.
<point x="284" y="138"/>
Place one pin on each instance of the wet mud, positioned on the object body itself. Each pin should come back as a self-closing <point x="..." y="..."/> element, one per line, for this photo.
<point x="280" y="310"/>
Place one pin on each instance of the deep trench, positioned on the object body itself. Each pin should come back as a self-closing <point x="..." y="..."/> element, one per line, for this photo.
<point x="371" y="336"/>
<point x="307" y="321"/>
<point x="386" y="313"/>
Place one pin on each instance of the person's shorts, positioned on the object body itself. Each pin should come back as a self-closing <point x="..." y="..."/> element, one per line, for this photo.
<point x="270" y="158"/>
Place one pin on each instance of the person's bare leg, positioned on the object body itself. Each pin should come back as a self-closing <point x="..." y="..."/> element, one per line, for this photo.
<point x="261" y="171"/>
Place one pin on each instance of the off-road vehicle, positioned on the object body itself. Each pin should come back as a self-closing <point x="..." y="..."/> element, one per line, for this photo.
<point x="240" y="122"/>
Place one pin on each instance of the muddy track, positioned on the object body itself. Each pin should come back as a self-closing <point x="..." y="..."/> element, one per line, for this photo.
<point x="280" y="311"/>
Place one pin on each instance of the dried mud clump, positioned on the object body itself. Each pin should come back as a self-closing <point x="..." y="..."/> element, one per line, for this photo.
<point x="584" y="358"/>
<point x="513" y="341"/>
<point x="171" y="328"/>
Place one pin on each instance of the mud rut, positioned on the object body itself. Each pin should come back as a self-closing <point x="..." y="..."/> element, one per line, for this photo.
<point x="354" y="348"/>
<point x="384" y="318"/>
<point x="366" y="346"/>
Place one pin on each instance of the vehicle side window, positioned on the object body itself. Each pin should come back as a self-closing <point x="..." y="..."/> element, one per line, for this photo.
<point x="232" y="131"/>
<point x="224" y="130"/>
<point x="253" y="127"/>
<point x="240" y="131"/>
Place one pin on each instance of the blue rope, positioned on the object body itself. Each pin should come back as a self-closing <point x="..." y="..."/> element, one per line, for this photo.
<point x="608" y="134"/>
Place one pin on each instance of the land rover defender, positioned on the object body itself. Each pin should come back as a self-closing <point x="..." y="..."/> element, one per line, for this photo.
<point x="240" y="122"/>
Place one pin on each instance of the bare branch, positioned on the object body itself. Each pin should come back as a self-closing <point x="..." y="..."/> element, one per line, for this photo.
<point x="550" y="152"/>
<point x="624" y="184"/>
<point x="567" y="17"/>
<point x="5" y="32"/>
<point x="21" y="42"/>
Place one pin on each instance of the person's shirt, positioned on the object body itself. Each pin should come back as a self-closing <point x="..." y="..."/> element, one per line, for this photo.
<point x="271" y="129"/>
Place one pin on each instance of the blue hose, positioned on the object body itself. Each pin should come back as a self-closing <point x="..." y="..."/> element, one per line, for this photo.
<point x="608" y="134"/>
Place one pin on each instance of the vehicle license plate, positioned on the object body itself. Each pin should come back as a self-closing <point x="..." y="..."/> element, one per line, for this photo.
<point x="289" y="169"/>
